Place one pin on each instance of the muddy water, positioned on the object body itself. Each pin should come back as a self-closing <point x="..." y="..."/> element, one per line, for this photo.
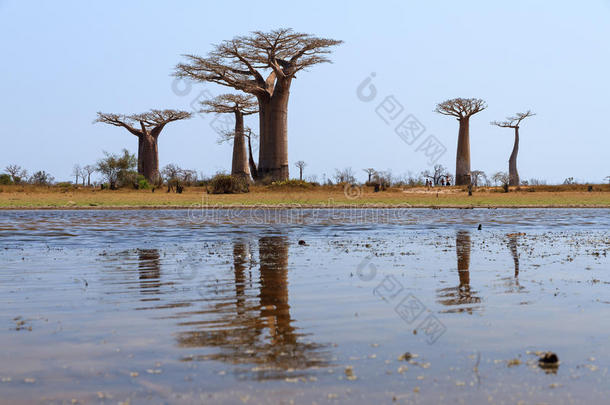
<point x="255" y="306"/>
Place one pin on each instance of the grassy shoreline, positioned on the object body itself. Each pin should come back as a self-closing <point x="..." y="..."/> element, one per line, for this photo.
<point x="30" y="197"/>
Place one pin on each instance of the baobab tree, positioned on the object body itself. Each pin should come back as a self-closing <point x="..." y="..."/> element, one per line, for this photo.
<point x="151" y="124"/>
<point x="300" y="165"/>
<point x="239" y="105"/>
<point x="89" y="170"/>
<point x="462" y="109"/>
<point x="513" y="122"/>
<point x="76" y="172"/>
<point x="370" y="172"/>
<point x="262" y="64"/>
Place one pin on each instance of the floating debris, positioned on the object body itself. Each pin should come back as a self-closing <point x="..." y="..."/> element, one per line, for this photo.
<point x="406" y="356"/>
<point x="514" y="362"/>
<point x="548" y="360"/>
<point x="349" y="372"/>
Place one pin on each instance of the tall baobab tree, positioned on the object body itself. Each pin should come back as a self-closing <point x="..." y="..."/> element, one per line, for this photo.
<point x="262" y="64"/>
<point x="151" y="124"/>
<point x="513" y="122"/>
<point x="462" y="109"/>
<point x="239" y="105"/>
<point x="300" y="165"/>
<point x="370" y="172"/>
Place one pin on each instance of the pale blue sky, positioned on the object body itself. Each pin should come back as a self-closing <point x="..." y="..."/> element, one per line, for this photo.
<point x="63" y="61"/>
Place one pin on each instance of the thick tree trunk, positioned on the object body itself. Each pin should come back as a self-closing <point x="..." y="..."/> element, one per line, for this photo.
<point x="513" y="175"/>
<point x="273" y="152"/>
<point x="140" y="154"/>
<point x="462" y="161"/>
<point x="300" y="174"/>
<point x="253" y="169"/>
<point x="149" y="156"/>
<point x="240" y="166"/>
<point x="263" y="108"/>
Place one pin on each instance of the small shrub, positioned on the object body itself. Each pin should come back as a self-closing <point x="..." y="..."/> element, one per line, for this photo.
<point x="142" y="183"/>
<point x="5" y="179"/>
<point x="227" y="184"/>
<point x="290" y="184"/>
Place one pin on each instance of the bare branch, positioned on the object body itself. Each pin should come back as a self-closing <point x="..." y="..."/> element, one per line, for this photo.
<point x="513" y="122"/>
<point x="118" y="121"/>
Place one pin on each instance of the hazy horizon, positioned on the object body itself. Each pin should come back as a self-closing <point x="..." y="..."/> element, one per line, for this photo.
<point x="64" y="62"/>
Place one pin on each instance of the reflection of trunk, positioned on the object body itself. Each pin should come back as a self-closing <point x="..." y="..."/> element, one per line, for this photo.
<point x="240" y="253"/>
<point x="273" y="255"/>
<point x="462" y="162"/>
<point x="512" y="162"/>
<point x="240" y="166"/>
<point x="149" y="268"/>
<point x="512" y="245"/>
<point x="462" y="245"/>
<point x="461" y="298"/>
<point x="273" y="147"/>
<point x="148" y="155"/>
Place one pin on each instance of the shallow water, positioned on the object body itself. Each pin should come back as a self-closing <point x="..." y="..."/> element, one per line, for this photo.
<point x="227" y="306"/>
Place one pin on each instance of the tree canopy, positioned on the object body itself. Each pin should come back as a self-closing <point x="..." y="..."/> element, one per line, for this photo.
<point x="151" y="122"/>
<point x="253" y="63"/>
<point x="514" y="121"/>
<point x="461" y="107"/>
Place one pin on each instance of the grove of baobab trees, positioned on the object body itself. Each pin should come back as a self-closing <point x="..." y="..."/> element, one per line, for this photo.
<point x="239" y="105"/>
<point x="462" y="109"/>
<point x="151" y="124"/>
<point x="262" y="64"/>
<point x="513" y="122"/>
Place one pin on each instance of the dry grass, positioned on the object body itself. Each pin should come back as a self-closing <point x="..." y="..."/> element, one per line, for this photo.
<point x="541" y="196"/>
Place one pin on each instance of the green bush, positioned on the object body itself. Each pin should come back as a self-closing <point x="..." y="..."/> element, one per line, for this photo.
<point x="5" y="179"/>
<point x="290" y="184"/>
<point x="227" y="184"/>
<point x="142" y="183"/>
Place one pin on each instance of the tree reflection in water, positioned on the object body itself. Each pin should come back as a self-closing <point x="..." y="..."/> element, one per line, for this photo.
<point x="250" y="324"/>
<point x="461" y="298"/>
<point x="149" y="270"/>
<point x="513" y="282"/>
